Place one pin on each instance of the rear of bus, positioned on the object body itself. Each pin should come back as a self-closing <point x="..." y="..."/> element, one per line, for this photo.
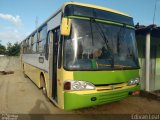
<point x="100" y="61"/>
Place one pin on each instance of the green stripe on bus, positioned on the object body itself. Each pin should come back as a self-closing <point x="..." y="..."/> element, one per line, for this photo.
<point x="115" y="23"/>
<point x="102" y="21"/>
<point x="109" y="22"/>
<point x="78" y="17"/>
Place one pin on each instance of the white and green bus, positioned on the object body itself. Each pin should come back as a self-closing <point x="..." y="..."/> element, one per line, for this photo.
<point x="83" y="55"/>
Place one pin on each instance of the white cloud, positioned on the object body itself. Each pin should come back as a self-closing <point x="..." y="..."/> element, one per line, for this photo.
<point x="11" y="35"/>
<point x="16" y="20"/>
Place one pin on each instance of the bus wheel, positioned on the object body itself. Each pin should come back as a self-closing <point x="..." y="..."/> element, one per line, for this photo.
<point x="24" y="73"/>
<point x="44" y="90"/>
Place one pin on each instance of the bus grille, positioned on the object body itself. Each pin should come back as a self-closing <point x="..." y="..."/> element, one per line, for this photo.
<point x="111" y="87"/>
<point x="112" y="97"/>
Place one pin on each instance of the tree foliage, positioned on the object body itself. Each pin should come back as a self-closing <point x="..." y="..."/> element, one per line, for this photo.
<point x="13" y="50"/>
<point x="10" y="50"/>
<point x="2" y="49"/>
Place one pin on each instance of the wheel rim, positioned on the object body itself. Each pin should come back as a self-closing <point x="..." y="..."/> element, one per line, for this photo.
<point x="44" y="91"/>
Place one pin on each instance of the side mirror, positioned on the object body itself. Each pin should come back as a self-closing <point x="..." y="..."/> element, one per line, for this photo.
<point x="65" y="26"/>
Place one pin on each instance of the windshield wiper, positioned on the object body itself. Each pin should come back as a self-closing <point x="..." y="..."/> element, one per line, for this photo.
<point x="101" y="32"/>
<point x="91" y="31"/>
<point x="119" y="41"/>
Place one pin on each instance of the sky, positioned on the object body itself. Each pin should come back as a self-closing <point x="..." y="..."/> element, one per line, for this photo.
<point x="18" y="17"/>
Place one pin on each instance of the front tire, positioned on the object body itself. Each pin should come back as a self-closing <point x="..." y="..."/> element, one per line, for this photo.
<point x="25" y="75"/>
<point x="43" y="85"/>
<point x="24" y="72"/>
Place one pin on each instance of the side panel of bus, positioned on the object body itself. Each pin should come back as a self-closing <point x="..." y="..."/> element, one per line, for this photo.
<point x="36" y="63"/>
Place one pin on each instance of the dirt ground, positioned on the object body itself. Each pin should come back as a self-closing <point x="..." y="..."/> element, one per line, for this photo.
<point x="18" y="95"/>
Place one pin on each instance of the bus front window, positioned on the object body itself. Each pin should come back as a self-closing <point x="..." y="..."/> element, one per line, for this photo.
<point x="99" y="46"/>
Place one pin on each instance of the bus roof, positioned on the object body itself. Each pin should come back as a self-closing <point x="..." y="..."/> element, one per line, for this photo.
<point x="95" y="6"/>
<point x="76" y="3"/>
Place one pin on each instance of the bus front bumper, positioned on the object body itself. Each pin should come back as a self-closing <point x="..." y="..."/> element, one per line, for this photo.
<point x="76" y="99"/>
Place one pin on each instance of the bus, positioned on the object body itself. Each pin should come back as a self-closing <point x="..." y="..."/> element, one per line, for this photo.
<point x="83" y="55"/>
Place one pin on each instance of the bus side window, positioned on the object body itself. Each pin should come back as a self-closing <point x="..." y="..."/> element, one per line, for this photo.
<point x="30" y="44"/>
<point x="23" y="47"/>
<point x="34" y="44"/>
<point x="42" y="39"/>
<point x="27" y="45"/>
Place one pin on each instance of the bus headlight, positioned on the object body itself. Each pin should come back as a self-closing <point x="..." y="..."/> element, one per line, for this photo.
<point x="134" y="81"/>
<point x="78" y="85"/>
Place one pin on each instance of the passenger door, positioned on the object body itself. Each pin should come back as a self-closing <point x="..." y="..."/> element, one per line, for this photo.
<point x="56" y="37"/>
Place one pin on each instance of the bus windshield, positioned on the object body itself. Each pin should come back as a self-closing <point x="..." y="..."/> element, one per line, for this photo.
<point x="99" y="46"/>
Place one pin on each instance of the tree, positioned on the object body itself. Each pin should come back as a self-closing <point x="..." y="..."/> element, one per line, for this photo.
<point x="13" y="50"/>
<point x="2" y="49"/>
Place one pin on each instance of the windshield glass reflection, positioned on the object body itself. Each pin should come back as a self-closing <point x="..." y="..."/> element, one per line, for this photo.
<point x="99" y="46"/>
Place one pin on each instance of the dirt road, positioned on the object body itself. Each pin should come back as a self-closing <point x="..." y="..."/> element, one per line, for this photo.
<point x="18" y="95"/>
